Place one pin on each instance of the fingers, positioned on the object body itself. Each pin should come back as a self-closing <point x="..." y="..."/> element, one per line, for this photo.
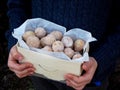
<point x="25" y="72"/>
<point x="76" y="79"/>
<point x="76" y="82"/>
<point x="19" y="67"/>
<point x="89" y="68"/>
<point x="87" y="65"/>
<point x="21" y="70"/>
<point x="79" y="82"/>
<point x="14" y="57"/>
<point x="75" y="86"/>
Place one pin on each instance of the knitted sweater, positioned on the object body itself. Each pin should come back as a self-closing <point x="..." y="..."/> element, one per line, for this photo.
<point x="100" y="17"/>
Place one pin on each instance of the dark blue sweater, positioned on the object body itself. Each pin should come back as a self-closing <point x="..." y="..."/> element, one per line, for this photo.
<point x="100" y="17"/>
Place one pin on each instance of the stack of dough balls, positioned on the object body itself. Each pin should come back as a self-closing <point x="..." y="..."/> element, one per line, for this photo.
<point x="54" y="42"/>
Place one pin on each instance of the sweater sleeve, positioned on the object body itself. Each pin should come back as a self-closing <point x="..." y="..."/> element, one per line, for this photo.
<point x="18" y="12"/>
<point x="107" y="54"/>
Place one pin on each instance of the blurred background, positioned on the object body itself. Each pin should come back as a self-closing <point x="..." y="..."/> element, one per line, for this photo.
<point x="9" y="81"/>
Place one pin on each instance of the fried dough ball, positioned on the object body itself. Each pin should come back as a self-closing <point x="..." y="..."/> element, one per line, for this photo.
<point x="78" y="45"/>
<point x="58" y="46"/>
<point x="48" y="40"/>
<point x="47" y="48"/>
<point x="40" y="32"/>
<point x="76" y="55"/>
<point x="69" y="52"/>
<point x="33" y="41"/>
<point x="67" y="41"/>
<point x="58" y="35"/>
<point x="27" y="34"/>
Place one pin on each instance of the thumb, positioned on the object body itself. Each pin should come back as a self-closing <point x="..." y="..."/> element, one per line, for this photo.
<point x="86" y="66"/>
<point x="15" y="54"/>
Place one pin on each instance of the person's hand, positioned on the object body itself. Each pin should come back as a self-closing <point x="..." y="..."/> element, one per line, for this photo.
<point x="79" y="82"/>
<point x="21" y="70"/>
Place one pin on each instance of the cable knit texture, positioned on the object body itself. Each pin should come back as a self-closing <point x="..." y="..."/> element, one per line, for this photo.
<point x="96" y="16"/>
